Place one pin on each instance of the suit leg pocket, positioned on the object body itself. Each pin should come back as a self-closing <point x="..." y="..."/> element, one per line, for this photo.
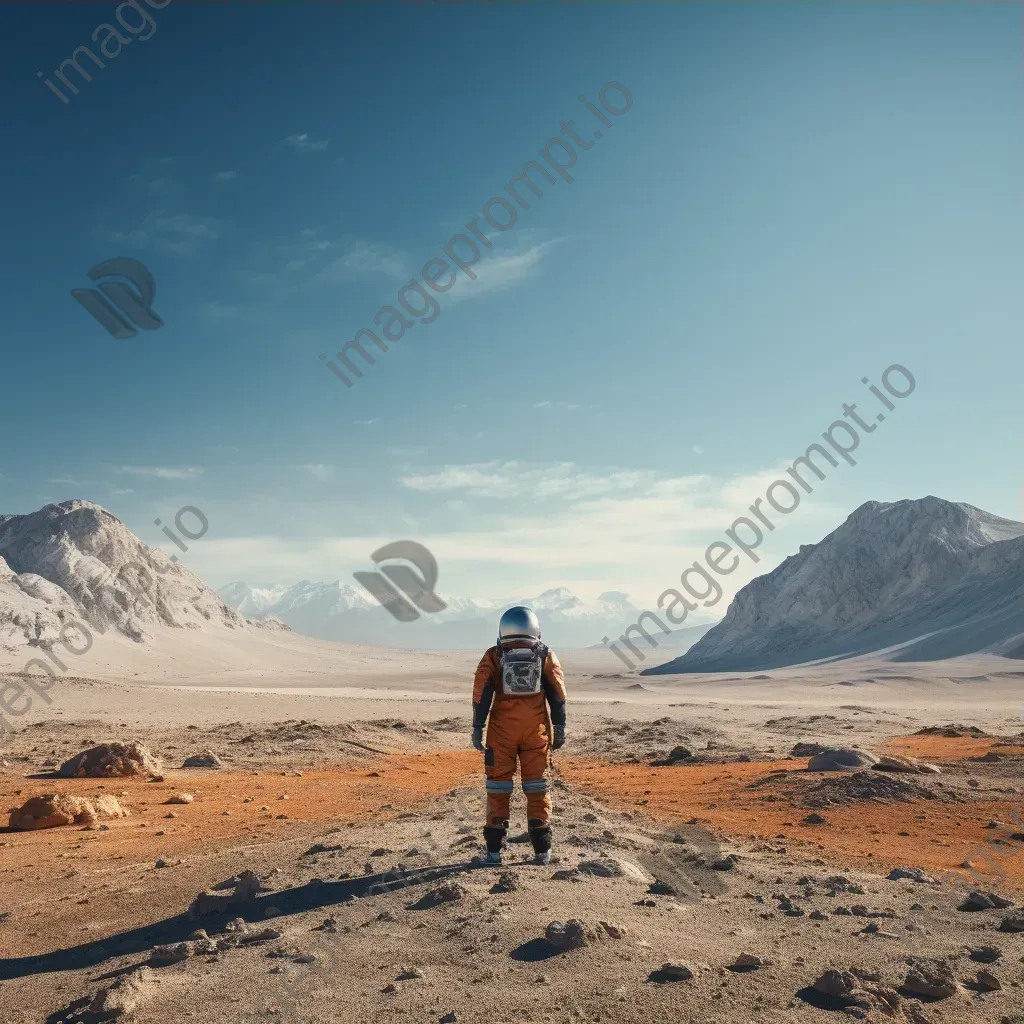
<point x="488" y="757"/>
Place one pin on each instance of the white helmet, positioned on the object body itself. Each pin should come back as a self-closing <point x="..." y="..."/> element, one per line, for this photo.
<point x="518" y="623"/>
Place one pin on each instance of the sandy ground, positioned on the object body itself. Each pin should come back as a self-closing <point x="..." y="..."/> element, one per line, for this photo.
<point x="351" y="790"/>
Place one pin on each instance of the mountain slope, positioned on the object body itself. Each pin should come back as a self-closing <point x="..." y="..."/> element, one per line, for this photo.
<point x="917" y="580"/>
<point x="74" y="562"/>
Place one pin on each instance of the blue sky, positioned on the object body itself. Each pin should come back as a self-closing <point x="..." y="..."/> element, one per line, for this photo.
<point x="799" y="196"/>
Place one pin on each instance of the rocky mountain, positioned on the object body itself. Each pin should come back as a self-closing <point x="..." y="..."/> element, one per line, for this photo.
<point x="912" y="580"/>
<point x="74" y="562"/>
<point x="346" y="612"/>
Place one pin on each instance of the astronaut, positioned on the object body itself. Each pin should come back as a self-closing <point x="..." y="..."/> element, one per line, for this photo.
<point x="519" y="683"/>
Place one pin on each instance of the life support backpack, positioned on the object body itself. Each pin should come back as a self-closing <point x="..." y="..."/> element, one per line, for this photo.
<point x="522" y="670"/>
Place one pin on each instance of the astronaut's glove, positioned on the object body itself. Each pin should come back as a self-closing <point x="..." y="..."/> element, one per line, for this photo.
<point x="559" y="740"/>
<point x="478" y="739"/>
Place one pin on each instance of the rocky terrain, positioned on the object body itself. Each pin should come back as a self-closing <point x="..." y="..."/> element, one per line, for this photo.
<point x="300" y="872"/>
<point x="913" y="580"/>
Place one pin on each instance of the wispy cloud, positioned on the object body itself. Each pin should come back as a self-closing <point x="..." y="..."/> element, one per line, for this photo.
<point x="304" y="144"/>
<point x="164" y="187"/>
<point x="180" y="233"/>
<point x="567" y="406"/>
<point x="226" y="176"/>
<point x="163" y="472"/>
<point x="366" y="423"/>
<point x="501" y="271"/>
<point x="366" y="257"/>
<point x="318" y="471"/>
<point x="117" y="491"/>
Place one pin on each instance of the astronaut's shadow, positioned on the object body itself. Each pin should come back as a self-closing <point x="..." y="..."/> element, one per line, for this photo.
<point x="300" y="898"/>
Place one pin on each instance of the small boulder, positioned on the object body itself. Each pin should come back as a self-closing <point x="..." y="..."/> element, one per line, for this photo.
<point x="902" y="763"/>
<point x="244" y="887"/>
<point x="207" y="759"/>
<point x="837" y="984"/>
<point x="930" y="977"/>
<point x="125" y="995"/>
<point x="111" y="760"/>
<point x="51" y="810"/>
<point x="840" y="759"/>
<point x="671" y="970"/>
<point x="977" y="900"/>
<point x="988" y="982"/>
<point x="451" y="892"/>
<point x="180" y="798"/>
<point x="572" y="935"/>
<point x="913" y="874"/>
<point x="748" y="962"/>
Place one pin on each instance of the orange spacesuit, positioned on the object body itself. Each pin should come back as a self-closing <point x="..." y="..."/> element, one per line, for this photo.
<point x="519" y="682"/>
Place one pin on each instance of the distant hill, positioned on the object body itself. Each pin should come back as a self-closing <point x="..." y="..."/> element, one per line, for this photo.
<point x="75" y="562"/>
<point x="912" y="580"/>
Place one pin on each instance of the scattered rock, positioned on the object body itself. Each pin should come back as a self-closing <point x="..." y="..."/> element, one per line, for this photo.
<point x="572" y="935"/>
<point x="985" y="954"/>
<point x="814" y="819"/>
<point x="988" y="982"/>
<point x="671" y="970"/>
<point x="840" y="759"/>
<point x="507" y="881"/>
<point x="613" y="931"/>
<point x="207" y="759"/>
<point x="613" y="867"/>
<point x="180" y="798"/>
<point x="52" y="810"/>
<point x="806" y="749"/>
<point x="902" y="763"/>
<point x="838" y="984"/>
<point x="931" y="977"/>
<point x="748" y="962"/>
<point x="125" y="995"/>
<point x="451" y="892"/>
<point x="914" y="874"/>
<point x="109" y="760"/>
<point x="1013" y="923"/>
<point x="977" y="900"/>
<point x="244" y="888"/>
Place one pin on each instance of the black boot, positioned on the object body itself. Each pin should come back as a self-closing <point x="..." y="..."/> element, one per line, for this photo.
<point x="494" y="836"/>
<point x="540" y="836"/>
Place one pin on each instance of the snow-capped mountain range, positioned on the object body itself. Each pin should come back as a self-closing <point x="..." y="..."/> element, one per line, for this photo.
<point x="346" y="612"/>
<point x="912" y="580"/>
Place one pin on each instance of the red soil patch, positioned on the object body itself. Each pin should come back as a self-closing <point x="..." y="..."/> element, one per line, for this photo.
<point x="378" y="789"/>
<point x="939" y="836"/>
<point x="948" y="748"/>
